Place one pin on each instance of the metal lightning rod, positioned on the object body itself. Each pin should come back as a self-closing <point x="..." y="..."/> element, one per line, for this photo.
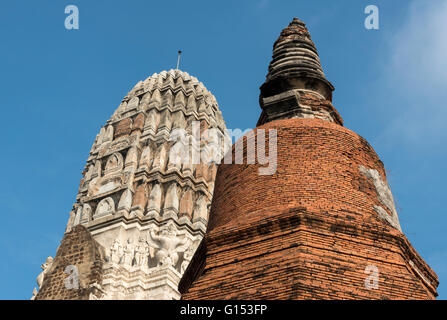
<point x="178" y="59"/>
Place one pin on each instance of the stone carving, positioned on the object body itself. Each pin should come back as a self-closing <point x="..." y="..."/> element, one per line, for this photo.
<point x="116" y="252"/>
<point x="124" y="127"/>
<point x="187" y="256"/>
<point x="45" y="269"/>
<point x="165" y="121"/>
<point x="146" y="160"/>
<point x="141" y="253"/>
<point x="171" y="198"/>
<point x="201" y="209"/>
<point x="186" y="204"/>
<point x="202" y="106"/>
<point x="77" y="218"/>
<point x="152" y="120"/>
<point x="114" y="163"/>
<point x="178" y="120"/>
<point x="156" y="99"/>
<point x="138" y="87"/>
<point x="138" y="124"/>
<point x="34" y="294"/>
<point x="106" y="185"/>
<point x="179" y="153"/>
<point x="89" y="173"/>
<point x="96" y="292"/>
<point x="125" y="200"/>
<point x="168" y="246"/>
<point x="216" y="146"/>
<point x="140" y="198"/>
<point x="106" y="206"/>
<point x="86" y="213"/>
<point x="200" y="171"/>
<point x="128" y="253"/>
<point x="160" y="159"/>
<point x="132" y="157"/>
<point x="133" y="103"/>
<point x="191" y="103"/>
<point x="140" y="170"/>
<point x="154" y="202"/>
<point x="168" y="98"/>
<point x="149" y="84"/>
<point x="119" y="110"/>
<point x="70" y="222"/>
<point x="97" y="169"/>
<point x="108" y="135"/>
<point x="117" y="145"/>
<point x="144" y="103"/>
<point x="179" y="99"/>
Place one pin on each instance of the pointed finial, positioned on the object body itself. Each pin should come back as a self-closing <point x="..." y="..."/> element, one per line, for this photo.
<point x="295" y="66"/>
<point x="295" y="56"/>
<point x="178" y="58"/>
<point x="296" y="21"/>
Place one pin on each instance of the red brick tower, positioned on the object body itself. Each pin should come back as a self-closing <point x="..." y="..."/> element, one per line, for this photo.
<point x="323" y="225"/>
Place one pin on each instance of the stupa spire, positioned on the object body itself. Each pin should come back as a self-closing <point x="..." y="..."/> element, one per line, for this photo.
<point x="295" y="74"/>
<point x="142" y="205"/>
<point x="323" y="225"/>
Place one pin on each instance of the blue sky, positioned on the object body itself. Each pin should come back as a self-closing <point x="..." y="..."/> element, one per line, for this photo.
<point x="58" y="87"/>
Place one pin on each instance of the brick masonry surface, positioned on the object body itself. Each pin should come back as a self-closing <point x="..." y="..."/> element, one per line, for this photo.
<point x="78" y="249"/>
<point x="307" y="232"/>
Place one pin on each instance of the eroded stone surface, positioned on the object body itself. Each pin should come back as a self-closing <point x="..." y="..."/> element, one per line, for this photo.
<point x="385" y="196"/>
<point x="141" y="201"/>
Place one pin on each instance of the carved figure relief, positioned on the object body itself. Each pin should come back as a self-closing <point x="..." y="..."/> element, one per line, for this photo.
<point x="114" y="163"/>
<point x="168" y="246"/>
<point x="86" y="213"/>
<point x="187" y="257"/>
<point x="141" y="253"/>
<point x="45" y="269"/>
<point x="106" y="206"/>
<point x="128" y="253"/>
<point x="116" y="252"/>
<point x="133" y="103"/>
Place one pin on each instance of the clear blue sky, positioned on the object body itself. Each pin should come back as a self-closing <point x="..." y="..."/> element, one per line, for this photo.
<point x="58" y="87"/>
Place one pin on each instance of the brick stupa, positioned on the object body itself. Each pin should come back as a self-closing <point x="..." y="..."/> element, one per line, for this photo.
<point x="324" y="225"/>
